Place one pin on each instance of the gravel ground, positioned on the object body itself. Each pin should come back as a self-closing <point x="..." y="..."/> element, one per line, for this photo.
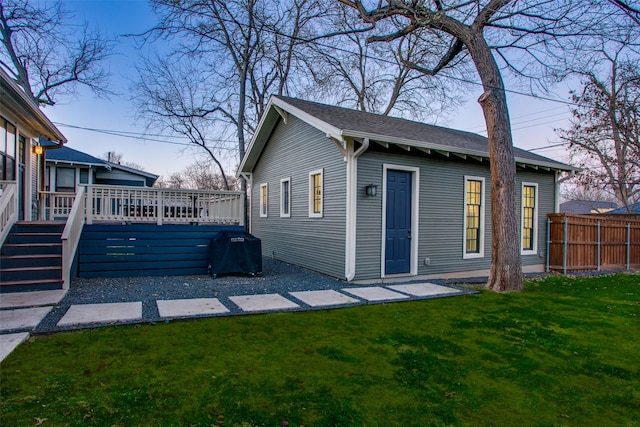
<point x="277" y="277"/>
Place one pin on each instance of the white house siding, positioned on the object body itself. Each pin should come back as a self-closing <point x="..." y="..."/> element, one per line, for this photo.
<point x="294" y="150"/>
<point x="118" y="177"/>
<point x="441" y="221"/>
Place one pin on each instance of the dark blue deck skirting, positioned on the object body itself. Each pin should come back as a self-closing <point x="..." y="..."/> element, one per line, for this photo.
<point x="130" y="250"/>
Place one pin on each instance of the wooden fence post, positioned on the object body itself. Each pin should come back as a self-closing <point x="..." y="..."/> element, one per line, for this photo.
<point x="546" y="269"/>
<point x="565" y="238"/>
<point x="628" y="245"/>
<point x="598" y="249"/>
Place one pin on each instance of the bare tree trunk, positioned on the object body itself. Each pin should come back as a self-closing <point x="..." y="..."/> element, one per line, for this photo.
<point x="506" y="270"/>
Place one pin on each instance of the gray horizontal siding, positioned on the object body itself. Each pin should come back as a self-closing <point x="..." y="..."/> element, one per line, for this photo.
<point x="294" y="150"/>
<point x="441" y="213"/>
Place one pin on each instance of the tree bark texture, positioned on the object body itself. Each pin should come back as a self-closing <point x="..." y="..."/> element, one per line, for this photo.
<point x="506" y="269"/>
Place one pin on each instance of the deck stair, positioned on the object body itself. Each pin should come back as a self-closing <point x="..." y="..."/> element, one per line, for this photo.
<point x="31" y="257"/>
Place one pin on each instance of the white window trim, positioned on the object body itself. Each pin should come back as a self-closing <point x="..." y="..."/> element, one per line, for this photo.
<point x="284" y="214"/>
<point x="313" y="214"/>
<point x="264" y="210"/>
<point x="415" y="217"/>
<point x="535" y="219"/>
<point x="480" y="254"/>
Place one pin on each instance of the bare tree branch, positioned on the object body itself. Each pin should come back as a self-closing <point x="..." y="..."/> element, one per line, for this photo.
<point x="45" y="55"/>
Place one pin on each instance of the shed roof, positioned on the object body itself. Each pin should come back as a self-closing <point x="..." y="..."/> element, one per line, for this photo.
<point x="340" y="122"/>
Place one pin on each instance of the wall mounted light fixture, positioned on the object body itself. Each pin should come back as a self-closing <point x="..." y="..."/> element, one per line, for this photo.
<point x="37" y="149"/>
<point x="371" y="190"/>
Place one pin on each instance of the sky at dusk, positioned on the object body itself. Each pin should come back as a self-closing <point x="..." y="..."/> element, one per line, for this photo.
<point x="533" y="120"/>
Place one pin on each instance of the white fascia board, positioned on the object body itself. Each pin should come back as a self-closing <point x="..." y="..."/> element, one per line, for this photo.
<point x="275" y="104"/>
<point x="56" y="161"/>
<point x="433" y="146"/>
<point x="27" y="103"/>
<point x="323" y="126"/>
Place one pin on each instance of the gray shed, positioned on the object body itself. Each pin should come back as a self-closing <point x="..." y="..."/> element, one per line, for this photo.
<point x="362" y="196"/>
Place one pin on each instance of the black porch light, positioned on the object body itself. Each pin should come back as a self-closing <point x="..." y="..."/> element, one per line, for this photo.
<point x="371" y="190"/>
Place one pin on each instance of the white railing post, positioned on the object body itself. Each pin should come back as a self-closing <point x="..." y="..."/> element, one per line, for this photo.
<point x="71" y="236"/>
<point x="8" y="208"/>
<point x="88" y="204"/>
<point x="160" y="204"/>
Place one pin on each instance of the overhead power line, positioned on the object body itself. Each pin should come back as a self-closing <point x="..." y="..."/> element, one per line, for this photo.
<point x="142" y="136"/>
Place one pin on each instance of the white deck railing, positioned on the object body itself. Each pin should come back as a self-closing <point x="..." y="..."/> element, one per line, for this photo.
<point x="55" y="206"/>
<point x="160" y="206"/>
<point x="71" y="236"/>
<point x="8" y="208"/>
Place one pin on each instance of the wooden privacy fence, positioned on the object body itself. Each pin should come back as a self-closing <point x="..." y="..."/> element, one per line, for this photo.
<point x="592" y="242"/>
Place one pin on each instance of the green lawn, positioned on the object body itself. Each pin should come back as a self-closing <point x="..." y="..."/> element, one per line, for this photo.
<point x="565" y="352"/>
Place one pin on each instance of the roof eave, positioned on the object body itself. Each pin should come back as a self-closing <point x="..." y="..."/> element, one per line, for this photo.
<point x="433" y="146"/>
<point x="71" y="162"/>
<point x="268" y="122"/>
<point x="23" y="104"/>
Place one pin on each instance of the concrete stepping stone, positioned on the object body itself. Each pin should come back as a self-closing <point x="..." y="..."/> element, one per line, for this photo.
<point x="423" y="289"/>
<point x="323" y="298"/>
<point x="102" y="313"/>
<point x="8" y="343"/>
<point x="375" y="293"/>
<point x="31" y="299"/>
<point x="264" y="302"/>
<point x="22" y="318"/>
<point x="190" y="307"/>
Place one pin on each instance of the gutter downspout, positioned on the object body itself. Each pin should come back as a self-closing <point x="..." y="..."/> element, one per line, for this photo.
<point x="248" y="177"/>
<point x="351" y="158"/>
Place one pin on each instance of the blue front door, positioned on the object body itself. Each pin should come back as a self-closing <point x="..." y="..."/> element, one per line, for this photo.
<point x="397" y="251"/>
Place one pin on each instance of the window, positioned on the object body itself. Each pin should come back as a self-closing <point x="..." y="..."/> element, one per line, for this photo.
<point x="529" y="218"/>
<point x="473" y="243"/>
<point x="84" y="176"/>
<point x="66" y="180"/>
<point x="7" y="150"/>
<point x="315" y="194"/>
<point x="263" y="199"/>
<point x="285" y="197"/>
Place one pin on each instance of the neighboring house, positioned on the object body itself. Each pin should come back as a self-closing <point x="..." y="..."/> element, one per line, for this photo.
<point x="22" y="124"/>
<point x="362" y="196"/>
<point x="583" y="207"/>
<point x="66" y="168"/>
<point x="633" y="209"/>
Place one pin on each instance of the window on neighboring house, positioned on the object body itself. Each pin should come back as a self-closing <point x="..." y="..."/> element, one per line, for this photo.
<point x="315" y="194"/>
<point x="285" y="197"/>
<point x="84" y="176"/>
<point x="264" y="194"/>
<point x="47" y="175"/>
<point x="65" y="180"/>
<point x="473" y="217"/>
<point x="529" y="217"/>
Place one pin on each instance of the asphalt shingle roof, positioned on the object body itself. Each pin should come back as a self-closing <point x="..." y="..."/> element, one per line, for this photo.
<point x="420" y="133"/>
<point x="633" y="209"/>
<point x="585" y="206"/>
<point x="69" y="155"/>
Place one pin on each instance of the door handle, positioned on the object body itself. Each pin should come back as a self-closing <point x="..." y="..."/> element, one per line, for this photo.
<point x="409" y="231"/>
